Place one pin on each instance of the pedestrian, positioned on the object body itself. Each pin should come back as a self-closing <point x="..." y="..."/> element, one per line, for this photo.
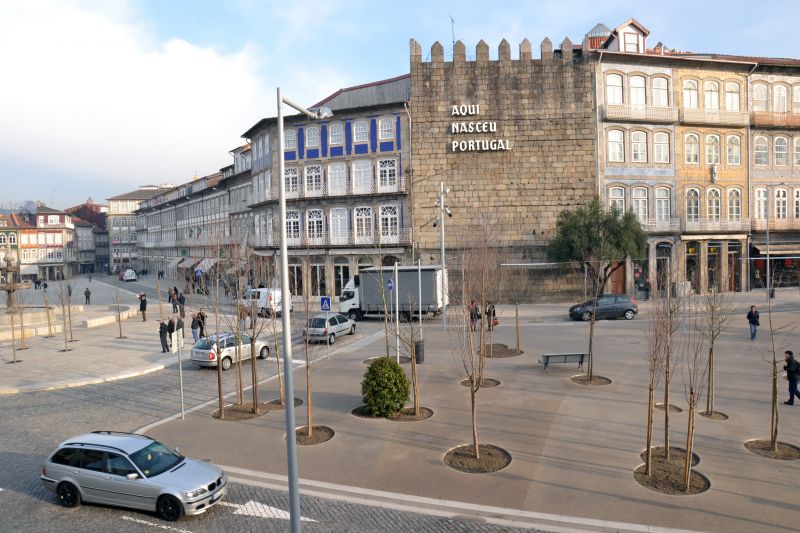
<point x="792" y="369"/>
<point x="179" y="327"/>
<point x="44" y="286"/>
<point x="201" y="317"/>
<point x="195" y="325"/>
<point x="69" y="291"/>
<point x="162" y="334"/>
<point x="242" y="318"/>
<point x="490" y="312"/>
<point x="143" y="306"/>
<point x="182" y="304"/>
<point x="474" y="315"/>
<point x="752" y="318"/>
<point x="170" y="329"/>
<point x="87" y="294"/>
<point x="90" y="277"/>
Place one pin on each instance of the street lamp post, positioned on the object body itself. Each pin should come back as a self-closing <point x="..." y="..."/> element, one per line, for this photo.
<point x="291" y="445"/>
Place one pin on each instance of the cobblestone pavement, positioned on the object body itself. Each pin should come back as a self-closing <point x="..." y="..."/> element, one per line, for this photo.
<point x="34" y="423"/>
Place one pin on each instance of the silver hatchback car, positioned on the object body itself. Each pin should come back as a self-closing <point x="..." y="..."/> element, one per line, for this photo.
<point x="208" y="350"/>
<point x="130" y="470"/>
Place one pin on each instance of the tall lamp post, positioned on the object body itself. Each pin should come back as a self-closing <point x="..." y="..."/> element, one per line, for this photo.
<point x="443" y="191"/>
<point x="291" y="445"/>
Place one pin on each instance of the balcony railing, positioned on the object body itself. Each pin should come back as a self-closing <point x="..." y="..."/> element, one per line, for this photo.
<point x="643" y="113"/>
<point x="345" y="238"/>
<point x="708" y="225"/>
<point x="326" y="189"/>
<point x="768" y="119"/>
<point x="760" y="224"/>
<point x="670" y="225"/>
<point x="715" y="117"/>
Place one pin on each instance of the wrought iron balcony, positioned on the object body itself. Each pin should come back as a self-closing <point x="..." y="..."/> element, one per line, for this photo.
<point x="768" y="119"/>
<point x="716" y="117"/>
<point x="400" y="236"/>
<point x="777" y="224"/>
<point x="640" y="113"/>
<point x="711" y="225"/>
<point x="351" y="188"/>
<point x="669" y="225"/>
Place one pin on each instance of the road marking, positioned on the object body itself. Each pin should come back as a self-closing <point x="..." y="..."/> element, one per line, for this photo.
<point x="153" y="524"/>
<point x="252" y="508"/>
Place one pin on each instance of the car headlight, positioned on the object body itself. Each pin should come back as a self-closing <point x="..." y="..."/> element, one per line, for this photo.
<point x="197" y="492"/>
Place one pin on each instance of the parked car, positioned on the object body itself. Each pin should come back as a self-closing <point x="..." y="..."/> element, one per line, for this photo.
<point x="608" y="306"/>
<point x="128" y="275"/>
<point x="268" y="301"/>
<point x="208" y="350"/>
<point x="130" y="470"/>
<point x="325" y="328"/>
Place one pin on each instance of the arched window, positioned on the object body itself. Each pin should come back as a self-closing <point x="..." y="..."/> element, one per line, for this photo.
<point x="797" y="152"/>
<point x="692" y="205"/>
<point x="663" y="211"/>
<point x="12" y="238"/>
<point x="780" y="101"/>
<point x="292" y="225"/>
<point x="781" y="203"/>
<point x="713" y="202"/>
<point x="759" y="97"/>
<point x="660" y="96"/>
<point x="796" y="99"/>
<point x="614" y="89"/>
<point x="616" y="199"/>
<point x="361" y="131"/>
<point x="711" y="95"/>
<point x="661" y="147"/>
<point x="734" y="205"/>
<point x="312" y="137"/>
<point x="2" y="238"/>
<point x="732" y="96"/>
<point x="712" y="150"/>
<point x="781" y="151"/>
<point x="363" y="225"/>
<point x="289" y="140"/>
<point x="734" y="145"/>
<point x="639" y="201"/>
<point x="291" y="177"/>
<point x="295" y="275"/>
<point x="637" y="95"/>
<point x="761" y="203"/>
<point x="761" y="151"/>
<point x="639" y="147"/>
<point x="616" y="146"/>
<point x="690" y="94"/>
<point x="315" y="227"/>
<point x="692" y="149"/>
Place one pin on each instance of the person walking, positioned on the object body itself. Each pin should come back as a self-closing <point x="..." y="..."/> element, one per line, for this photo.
<point x="242" y="318"/>
<point x="490" y="312"/>
<point x="143" y="306"/>
<point x="173" y="298"/>
<point x="752" y="318"/>
<point x="792" y="368"/>
<point x="170" y="329"/>
<point x="474" y="315"/>
<point x="201" y="318"/>
<point x="162" y="334"/>
<point x="87" y="294"/>
<point x="182" y="304"/>
<point x="44" y="286"/>
<point x="195" y="325"/>
<point x="179" y="327"/>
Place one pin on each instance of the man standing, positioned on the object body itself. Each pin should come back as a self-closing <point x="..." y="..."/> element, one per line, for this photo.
<point x="792" y="369"/>
<point x="201" y="319"/>
<point x="173" y="298"/>
<point x="195" y="327"/>
<point x="170" y="329"/>
<point x="182" y="304"/>
<point x="162" y="334"/>
<point x="179" y="327"/>
<point x="752" y="318"/>
<point x="143" y="306"/>
<point x="87" y="294"/>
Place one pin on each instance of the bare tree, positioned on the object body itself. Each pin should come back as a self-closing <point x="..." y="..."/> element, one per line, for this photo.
<point x="694" y="368"/>
<point x="673" y="321"/>
<point x="772" y="360"/>
<point x="715" y="310"/>
<point x="19" y="300"/>
<point x="657" y="333"/>
<point x="63" y="300"/>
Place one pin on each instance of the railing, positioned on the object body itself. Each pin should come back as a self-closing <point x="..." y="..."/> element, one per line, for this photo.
<point x="344" y="238"/>
<point x="647" y="113"/>
<point x="670" y="225"/>
<point x="715" y="116"/>
<point x="375" y="186"/>
<point x="766" y="119"/>
<point x="707" y="225"/>
<point x="760" y="224"/>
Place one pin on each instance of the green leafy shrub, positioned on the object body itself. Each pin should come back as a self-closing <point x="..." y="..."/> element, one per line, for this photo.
<point x="385" y="387"/>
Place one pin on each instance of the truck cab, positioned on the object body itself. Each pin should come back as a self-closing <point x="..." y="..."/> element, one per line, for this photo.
<point x="350" y="302"/>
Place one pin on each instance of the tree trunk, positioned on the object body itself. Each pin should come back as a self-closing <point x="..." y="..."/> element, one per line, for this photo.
<point x="309" y="401"/>
<point x="414" y="380"/>
<point x="69" y="318"/>
<point x="22" y="328"/>
<point x="280" y="377"/>
<point x="474" y="402"/>
<point x="590" y="362"/>
<point x="239" y="377"/>
<point x="710" y="392"/>
<point x="687" y="463"/>
<point x="13" y="340"/>
<point x="773" y="433"/>
<point x="649" y="451"/>
<point x="219" y="373"/>
<point x="516" y="316"/>
<point x="254" y="371"/>
<point x="666" y="408"/>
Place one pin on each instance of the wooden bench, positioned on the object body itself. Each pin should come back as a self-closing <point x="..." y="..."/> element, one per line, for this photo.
<point x="548" y="358"/>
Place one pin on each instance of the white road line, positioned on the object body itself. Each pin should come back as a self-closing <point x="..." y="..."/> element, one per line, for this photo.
<point x="252" y="508"/>
<point x="153" y="524"/>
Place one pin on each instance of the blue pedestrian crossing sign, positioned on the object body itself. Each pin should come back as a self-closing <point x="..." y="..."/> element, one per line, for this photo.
<point x="390" y="285"/>
<point x="325" y="303"/>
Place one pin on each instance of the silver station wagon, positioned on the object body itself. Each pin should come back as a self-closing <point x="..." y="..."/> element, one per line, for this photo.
<point x="208" y="350"/>
<point x="130" y="470"/>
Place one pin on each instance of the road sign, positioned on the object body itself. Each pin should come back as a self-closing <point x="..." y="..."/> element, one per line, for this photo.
<point x="390" y="285"/>
<point x="325" y="303"/>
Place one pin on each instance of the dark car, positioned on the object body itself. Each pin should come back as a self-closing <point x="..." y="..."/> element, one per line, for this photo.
<point x="608" y="306"/>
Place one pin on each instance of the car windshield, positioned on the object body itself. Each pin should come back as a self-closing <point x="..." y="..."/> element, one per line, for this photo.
<point x="202" y="344"/>
<point x="155" y="459"/>
<point x="316" y="323"/>
<point x="347" y="295"/>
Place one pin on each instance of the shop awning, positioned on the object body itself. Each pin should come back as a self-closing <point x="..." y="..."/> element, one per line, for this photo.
<point x="265" y="253"/>
<point x="206" y="264"/>
<point x="189" y="262"/>
<point x="782" y="249"/>
<point x="174" y="262"/>
<point x="28" y="269"/>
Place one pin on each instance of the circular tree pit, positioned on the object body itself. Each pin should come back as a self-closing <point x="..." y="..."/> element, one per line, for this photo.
<point x="244" y="411"/>
<point x="319" y="435"/>
<point x="499" y="351"/>
<point x="785" y="451"/>
<point x="492" y="459"/>
<point x="488" y="383"/>
<point x="668" y="476"/>
<point x="596" y="381"/>
<point x="714" y="415"/>
<point x="407" y="415"/>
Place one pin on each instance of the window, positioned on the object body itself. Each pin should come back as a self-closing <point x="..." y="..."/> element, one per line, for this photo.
<point x="387" y="174"/>
<point x="692" y="205"/>
<point x="363" y="225"/>
<point x="337" y="179"/>
<point x="314" y="180"/>
<point x="616" y="199"/>
<point x="639" y="201"/>
<point x="780" y="103"/>
<point x="796" y="99"/>
<point x="713" y="204"/>
<point x="660" y="96"/>
<point x="361" y="131"/>
<point x="692" y="149"/>
<point x="118" y="465"/>
<point x="289" y="140"/>
<point x="734" y="205"/>
<point x="781" y="201"/>
<point x="312" y="137"/>
<point x="639" y="147"/>
<point x="662" y="204"/>
<point x="12" y="238"/>
<point x="732" y="96"/>
<point x="637" y="94"/>
<point x="734" y="145"/>
<point x="385" y="129"/>
<point x="711" y="95"/>
<point x="362" y="177"/>
<point x="295" y="276"/>
<point x="314" y="225"/>
<point x="781" y="151"/>
<point x="390" y="229"/>
<point x="797" y="151"/>
<point x="761" y="149"/>
<point x="337" y="134"/>
<point x="712" y="150"/>
<point x="690" y="94"/>
<point x="631" y="42"/>
<point x="292" y="180"/>
<point x="2" y="238"/>
<point x="614" y="89"/>
<point x="338" y="226"/>
<point x="616" y="146"/>
<point x="53" y="220"/>
<point x="797" y="203"/>
<point x="759" y="97"/>
<point x="761" y="203"/>
<point x="293" y="224"/>
<point x="661" y="147"/>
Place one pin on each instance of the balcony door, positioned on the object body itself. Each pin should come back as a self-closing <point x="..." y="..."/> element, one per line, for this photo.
<point x="338" y="226"/>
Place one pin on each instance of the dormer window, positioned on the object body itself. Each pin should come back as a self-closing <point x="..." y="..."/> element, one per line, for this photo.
<point x="631" y="42"/>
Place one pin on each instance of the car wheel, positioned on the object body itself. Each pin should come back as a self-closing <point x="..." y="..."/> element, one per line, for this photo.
<point x="629" y="314"/>
<point x="169" y="508"/>
<point x="226" y="363"/>
<point x="264" y="353"/>
<point x="331" y="338"/>
<point x="586" y="316"/>
<point x="68" y="495"/>
<point x="352" y="315"/>
<point x="353" y="329"/>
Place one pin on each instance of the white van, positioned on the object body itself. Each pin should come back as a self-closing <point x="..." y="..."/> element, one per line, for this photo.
<point x="128" y="275"/>
<point x="268" y="301"/>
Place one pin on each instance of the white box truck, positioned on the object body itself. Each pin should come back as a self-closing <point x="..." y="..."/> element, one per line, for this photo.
<point x="368" y="293"/>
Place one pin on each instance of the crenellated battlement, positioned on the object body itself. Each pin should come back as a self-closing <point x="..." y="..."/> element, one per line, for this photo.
<point x="567" y="52"/>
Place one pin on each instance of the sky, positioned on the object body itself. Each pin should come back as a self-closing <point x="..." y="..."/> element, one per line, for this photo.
<point x="99" y="97"/>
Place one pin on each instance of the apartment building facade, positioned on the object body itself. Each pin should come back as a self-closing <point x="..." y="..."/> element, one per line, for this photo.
<point x="121" y="224"/>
